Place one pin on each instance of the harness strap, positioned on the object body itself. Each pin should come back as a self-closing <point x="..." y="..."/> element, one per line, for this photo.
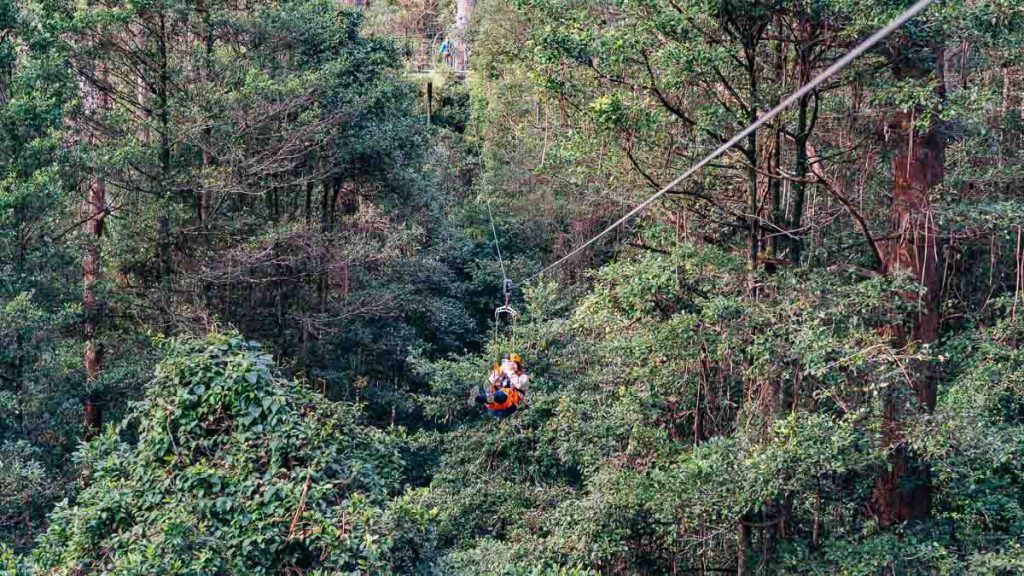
<point x="513" y="397"/>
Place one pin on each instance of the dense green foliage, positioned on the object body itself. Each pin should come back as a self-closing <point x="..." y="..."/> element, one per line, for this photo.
<point x="231" y="469"/>
<point x="654" y="431"/>
<point x="248" y="277"/>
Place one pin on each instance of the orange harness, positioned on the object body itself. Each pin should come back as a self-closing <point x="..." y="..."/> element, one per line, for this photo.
<point x="512" y="399"/>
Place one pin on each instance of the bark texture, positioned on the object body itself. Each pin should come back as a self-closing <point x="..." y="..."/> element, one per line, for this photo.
<point x="903" y="492"/>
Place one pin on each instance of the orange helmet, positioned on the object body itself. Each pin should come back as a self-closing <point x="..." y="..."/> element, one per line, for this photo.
<point x="516" y="358"/>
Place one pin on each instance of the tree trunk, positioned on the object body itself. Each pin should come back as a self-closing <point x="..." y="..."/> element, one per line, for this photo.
<point x="778" y="216"/>
<point x="97" y="102"/>
<point x="742" y="545"/>
<point x="163" y="229"/>
<point x="206" y="75"/>
<point x="753" y="218"/>
<point x="801" y="137"/>
<point x="309" y="203"/>
<point x="903" y="492"/>
<point x="325" y="202"/>
<point x="463" y="11"/>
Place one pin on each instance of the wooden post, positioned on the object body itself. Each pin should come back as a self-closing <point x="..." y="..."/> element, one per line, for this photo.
<point x="430" y="100"/>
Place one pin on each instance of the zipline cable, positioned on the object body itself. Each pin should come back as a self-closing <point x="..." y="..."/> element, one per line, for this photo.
<point x="506" y="286"/>
<point x="497" y="247"/>
<point x="788" y="101"/>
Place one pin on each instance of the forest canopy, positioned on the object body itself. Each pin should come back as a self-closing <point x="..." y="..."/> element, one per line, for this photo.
<point x="320" y="287"/>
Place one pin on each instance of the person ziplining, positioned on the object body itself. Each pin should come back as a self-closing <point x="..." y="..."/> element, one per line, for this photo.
<point x="507" y="383"/>
<point x="507" y="386"/>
